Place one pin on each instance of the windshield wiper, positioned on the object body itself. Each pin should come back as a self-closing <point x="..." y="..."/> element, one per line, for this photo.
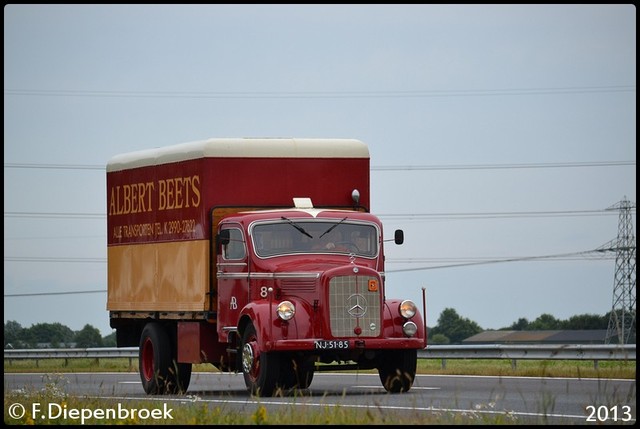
<point x="332" y="226"/>
<point x="298" y="227"/>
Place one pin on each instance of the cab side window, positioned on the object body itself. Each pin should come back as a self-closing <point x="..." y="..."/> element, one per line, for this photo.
<point x="235" y="249"/>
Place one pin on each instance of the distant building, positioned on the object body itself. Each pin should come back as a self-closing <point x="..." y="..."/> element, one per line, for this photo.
<point x="578" y="336"/>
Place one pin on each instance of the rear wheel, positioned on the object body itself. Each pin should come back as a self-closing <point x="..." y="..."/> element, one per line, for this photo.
<point x="260" y="369"/>
<point x="159" y="371"/>
<point x="154" y="358"/>
<point x="397" y="369"/>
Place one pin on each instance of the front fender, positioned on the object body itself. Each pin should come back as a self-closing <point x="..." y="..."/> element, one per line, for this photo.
<point x="269" y="327"/>
<point x="393" y="321"/>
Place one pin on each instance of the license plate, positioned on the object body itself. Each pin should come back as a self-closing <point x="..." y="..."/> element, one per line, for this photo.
<point x="331" y="344"/>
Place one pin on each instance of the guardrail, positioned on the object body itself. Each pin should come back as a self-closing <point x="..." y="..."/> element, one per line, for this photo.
<point x="595" y="352"/>
<point x="66" y="354"/>
<point x="98" y="352"/>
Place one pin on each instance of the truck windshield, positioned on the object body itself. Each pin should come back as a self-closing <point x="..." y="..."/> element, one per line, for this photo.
<point x="316" y="236"/>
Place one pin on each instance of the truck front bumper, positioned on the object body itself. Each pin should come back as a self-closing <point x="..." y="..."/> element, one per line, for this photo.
<point x="345" y="344"/>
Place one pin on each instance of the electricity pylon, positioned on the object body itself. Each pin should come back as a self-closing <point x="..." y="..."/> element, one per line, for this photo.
<point x="622" y="321"/>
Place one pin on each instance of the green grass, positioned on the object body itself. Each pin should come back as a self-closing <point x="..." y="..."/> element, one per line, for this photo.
<point x="201" y="413"/>
<point x="502" y="367"/>
<point x="530" y="368"/>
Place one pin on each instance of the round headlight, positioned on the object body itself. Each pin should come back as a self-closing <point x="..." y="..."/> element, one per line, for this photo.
<point x="407" y="309"/>
<point x="409" y="329"/>
<point x="286" y="310"/>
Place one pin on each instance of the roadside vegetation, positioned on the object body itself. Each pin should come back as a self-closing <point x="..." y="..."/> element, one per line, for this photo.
<point x="198" y="413"/>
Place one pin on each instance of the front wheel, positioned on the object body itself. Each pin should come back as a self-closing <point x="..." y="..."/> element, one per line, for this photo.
<point x="296" y="371"/>
<point x="260" y="369"/>
<point x="397" y="369"/>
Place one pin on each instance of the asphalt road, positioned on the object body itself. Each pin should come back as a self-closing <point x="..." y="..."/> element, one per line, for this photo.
<point x="534" y="400"/>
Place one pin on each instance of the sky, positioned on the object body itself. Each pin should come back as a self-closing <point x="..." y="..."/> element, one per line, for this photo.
<point x="499" y="135"/>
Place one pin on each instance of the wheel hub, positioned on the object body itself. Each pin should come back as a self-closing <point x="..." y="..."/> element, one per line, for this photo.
<point x="248" y="358"/>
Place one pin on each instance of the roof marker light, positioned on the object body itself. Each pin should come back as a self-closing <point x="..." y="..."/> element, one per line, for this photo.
<point x="302" y="203"/>
<point x="355" y="196"/>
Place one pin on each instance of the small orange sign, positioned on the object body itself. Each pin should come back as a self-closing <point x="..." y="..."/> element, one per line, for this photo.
<point x="373" y="285"/>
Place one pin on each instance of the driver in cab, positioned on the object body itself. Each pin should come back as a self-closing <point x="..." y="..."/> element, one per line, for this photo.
<point x="331" y="241"/>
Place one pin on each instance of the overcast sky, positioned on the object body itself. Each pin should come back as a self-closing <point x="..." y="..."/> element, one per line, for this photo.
<point x="496" y="132"/>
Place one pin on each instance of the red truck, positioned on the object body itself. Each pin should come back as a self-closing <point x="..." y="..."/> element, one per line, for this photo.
<point x="257" y="255"/>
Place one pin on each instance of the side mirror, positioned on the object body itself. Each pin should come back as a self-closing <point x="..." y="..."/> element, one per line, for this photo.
<point x="224" y="237"/>
<point x="399" y="236"/>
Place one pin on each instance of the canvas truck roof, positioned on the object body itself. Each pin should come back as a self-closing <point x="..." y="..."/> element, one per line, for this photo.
<point x="241" y="148"/>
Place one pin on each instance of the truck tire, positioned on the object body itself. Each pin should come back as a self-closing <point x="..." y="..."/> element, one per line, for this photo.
<point x="296" y="372"/>
<point x="159" y="371"/>
<point x="260" y="369"/>
<point x="397" y="369"/>
<point x="179" y="376"/>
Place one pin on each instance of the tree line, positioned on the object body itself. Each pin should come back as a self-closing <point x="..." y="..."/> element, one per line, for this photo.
<point x="54" y="335"/>
<point x="451" y="328"/>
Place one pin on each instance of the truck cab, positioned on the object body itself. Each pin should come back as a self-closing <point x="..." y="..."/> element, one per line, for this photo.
<point x="302" y="289"/>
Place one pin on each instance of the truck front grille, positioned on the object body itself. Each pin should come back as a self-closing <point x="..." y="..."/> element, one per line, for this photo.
<point x="354" y="302"/>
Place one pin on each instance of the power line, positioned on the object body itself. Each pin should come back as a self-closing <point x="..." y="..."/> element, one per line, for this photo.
<point x="478" y="215"/>
<point x="491" y="259"/>
<point x="381" y="167"/>
<point x="469" y="261"/>
<point x="392" y="216"/>
<point x="502" y="166"/>
<point x="54" y="166"/>
<point x="51" y="259"/>
<point x="319" y="94"/>
<point x="495" y="261"/>
<point x="55" y="215"/>
<point x="12" y="295"/>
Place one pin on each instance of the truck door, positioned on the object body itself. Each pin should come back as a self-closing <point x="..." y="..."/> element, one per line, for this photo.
<point x="233" y="291"/>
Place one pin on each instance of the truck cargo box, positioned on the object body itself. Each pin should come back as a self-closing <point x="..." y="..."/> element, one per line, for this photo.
<point x="160" y="203"/>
